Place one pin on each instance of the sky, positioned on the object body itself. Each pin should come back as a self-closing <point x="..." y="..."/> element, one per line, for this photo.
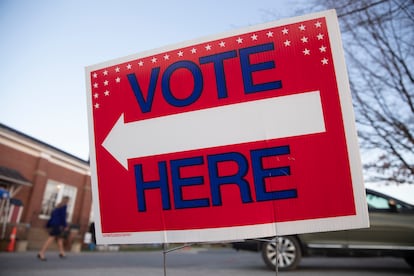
<point x="46" y="45"/>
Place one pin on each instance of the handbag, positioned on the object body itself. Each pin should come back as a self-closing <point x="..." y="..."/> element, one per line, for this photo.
<point x="65" y="234"/>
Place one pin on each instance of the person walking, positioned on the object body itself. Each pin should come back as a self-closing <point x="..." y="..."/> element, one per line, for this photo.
<point x="57" y="226"/>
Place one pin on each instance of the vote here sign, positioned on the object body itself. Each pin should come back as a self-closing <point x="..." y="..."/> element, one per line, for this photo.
<point x="242" y="135"/>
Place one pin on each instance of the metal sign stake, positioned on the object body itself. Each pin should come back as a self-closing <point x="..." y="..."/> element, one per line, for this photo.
<point x="164" y="253"/>
<point x="165" y="250"/>
<point x="277" y="256"/>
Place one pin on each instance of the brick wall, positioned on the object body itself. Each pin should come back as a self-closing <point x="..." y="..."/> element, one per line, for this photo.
<point x="39" y="162"/>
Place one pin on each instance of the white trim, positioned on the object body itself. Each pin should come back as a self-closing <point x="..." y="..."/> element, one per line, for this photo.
<point x="382" y="247"/>
<point x="360" y="246"/>
<point x="30" y="148"/>
<point x="322" y="245"/>
<point x="233" y="233"/>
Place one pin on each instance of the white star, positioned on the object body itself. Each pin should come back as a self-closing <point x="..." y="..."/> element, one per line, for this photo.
<point x="95" y="85"/>
<point x="324" y="61"/>
<point x="117" y="69"/>
<point x="118" y="79"/>
<point x="106" y="93"/>
<point x="141" y="63"/>
<point x="254" y="37"/>
<point x="208" y="47"/>
<point x="166" y="57"/>
<point x="194" y="50"/>
<point x="269" y="34"/>
<point x="320" y="36"/>
<point x="318" y="24"/>
<point x="96" y="105"/>
<point x="285" y="31"/>
<point x="222" y="44"/>
<point x="180" y="53"/>
<point x="129" y="66"/>
<point x="106" y="82"/>
<point x="306" y="52"/>
<point x="304" y="39"/>
<point x="287" y="43"/>
<point x="105" y="73"/>
<point x="239" y="40"/>
<point x="322" y="49"/>
<point x="302" y="27"/>
<point x="95" y="75"/>
<point x="154" y="60"/>
<point x="96" y="95"/>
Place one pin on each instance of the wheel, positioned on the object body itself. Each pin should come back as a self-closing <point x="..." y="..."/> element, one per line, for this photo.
<point x="289" y="253"/>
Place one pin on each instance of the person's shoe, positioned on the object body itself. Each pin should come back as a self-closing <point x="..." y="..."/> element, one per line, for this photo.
<point x="40" y="257"/>
<point x="62" y="256"/>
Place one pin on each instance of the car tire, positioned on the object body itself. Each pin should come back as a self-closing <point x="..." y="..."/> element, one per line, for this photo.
<point x="289" y="254"/>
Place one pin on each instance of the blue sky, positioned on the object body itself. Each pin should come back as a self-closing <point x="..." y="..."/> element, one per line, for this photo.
<point x="46" y="45"/>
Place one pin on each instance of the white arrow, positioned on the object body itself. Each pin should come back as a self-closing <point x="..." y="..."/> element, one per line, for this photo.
<point x="266" y="119"/>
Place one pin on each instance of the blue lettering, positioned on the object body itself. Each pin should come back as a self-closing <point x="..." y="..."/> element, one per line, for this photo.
<point x="248" y="69"/>
<point x="260" y="174"/>
<point x="161" y="184"/>
<point x="216" y="181"/>
<point x="198" y="83"/>
<point x="178" y="183"/>
<point x="219" y="70"/>
<point x="145" y="105"/>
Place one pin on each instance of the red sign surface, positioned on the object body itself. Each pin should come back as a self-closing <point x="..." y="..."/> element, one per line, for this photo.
<point x="242" y="135"/>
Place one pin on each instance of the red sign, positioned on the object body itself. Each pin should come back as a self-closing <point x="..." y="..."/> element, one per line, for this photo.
<point x="243" y="135"/>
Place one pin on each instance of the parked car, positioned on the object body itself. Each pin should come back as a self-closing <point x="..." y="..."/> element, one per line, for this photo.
<point x="391" y="233"/>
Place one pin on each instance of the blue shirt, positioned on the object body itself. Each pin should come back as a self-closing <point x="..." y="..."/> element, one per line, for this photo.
<point x="58" y="217"/>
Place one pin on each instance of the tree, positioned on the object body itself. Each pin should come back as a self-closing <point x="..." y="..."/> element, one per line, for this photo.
<point x="378" y="38"/>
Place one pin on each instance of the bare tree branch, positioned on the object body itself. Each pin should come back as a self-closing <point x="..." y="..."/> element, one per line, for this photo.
<point x="379" y="44"/>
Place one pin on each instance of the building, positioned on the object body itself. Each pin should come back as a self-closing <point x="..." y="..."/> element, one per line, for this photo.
<point x="34" y="176"/>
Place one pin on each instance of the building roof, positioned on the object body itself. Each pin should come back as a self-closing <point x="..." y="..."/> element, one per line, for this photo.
<point x="41" y="143"/>
<point x="11" y="176"/>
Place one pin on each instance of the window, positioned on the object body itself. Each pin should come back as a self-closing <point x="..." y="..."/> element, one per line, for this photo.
<point x="379" y="203"/>
<point x="54" y="193"/>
